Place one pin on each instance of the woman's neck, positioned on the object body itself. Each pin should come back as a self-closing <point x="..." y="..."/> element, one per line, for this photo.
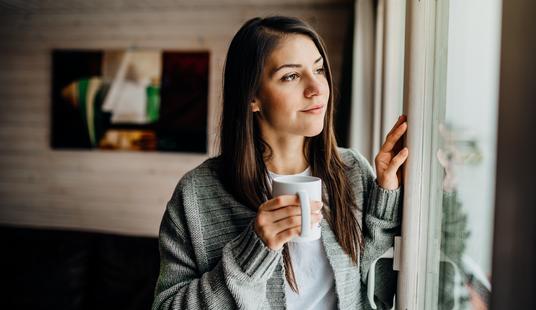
<point x="287" y="155"/>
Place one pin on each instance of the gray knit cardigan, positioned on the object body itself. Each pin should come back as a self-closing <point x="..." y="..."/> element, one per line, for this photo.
<point x="211" y="258"/>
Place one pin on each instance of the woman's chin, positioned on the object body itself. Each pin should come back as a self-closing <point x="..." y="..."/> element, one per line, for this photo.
<point x="314" y="131"/>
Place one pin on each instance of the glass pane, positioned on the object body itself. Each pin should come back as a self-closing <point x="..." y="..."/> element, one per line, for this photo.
<point x="466" y="102"/>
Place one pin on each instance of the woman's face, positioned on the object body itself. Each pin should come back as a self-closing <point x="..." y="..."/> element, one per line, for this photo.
<point x="294" y="91"/>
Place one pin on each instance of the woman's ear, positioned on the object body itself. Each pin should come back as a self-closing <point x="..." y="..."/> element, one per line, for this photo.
<point x="255" y="107"/>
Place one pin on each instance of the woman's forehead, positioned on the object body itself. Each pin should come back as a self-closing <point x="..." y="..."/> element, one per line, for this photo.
<point x="294" y="49"/>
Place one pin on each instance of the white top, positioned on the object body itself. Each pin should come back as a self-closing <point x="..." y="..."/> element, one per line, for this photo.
<point x="313" y="272"/>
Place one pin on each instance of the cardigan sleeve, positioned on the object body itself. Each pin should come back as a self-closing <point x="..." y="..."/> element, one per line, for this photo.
<point x="237" y="281"/>
<point x="382" y="216"/>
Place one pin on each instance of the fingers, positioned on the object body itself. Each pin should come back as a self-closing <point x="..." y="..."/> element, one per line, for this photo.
<point x="287" y="223"/>
<point x="393" y="136"/>
<point x="276" y="210"/>
<point x="295" y="220"/>
<point x="397" y="161"/>
<point x="285" y="236"/>
<point x="280" y="202"/>
<point x="282" y="213"/>
<point x="293" y="228"/>
<point x="401" y="119"/>
<point x="285" y="212"/>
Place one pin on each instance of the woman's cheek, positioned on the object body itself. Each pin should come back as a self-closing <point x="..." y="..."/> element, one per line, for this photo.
<point x="326" y="90"/>
<point x="282" y="104"/>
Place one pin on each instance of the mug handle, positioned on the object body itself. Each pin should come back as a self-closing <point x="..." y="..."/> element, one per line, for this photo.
<point x="306" y="213"/>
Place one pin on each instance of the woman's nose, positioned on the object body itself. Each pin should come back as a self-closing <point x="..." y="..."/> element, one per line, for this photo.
<point x="314" y="88"/>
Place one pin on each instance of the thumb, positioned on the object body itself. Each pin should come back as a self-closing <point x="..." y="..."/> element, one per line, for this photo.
<point x="397" y="161"/>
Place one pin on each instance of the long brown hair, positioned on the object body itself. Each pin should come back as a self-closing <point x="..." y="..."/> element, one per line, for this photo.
<point x="243" y="151"/>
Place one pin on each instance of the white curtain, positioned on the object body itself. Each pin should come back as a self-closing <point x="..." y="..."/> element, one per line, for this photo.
<point x="377" y="84"/>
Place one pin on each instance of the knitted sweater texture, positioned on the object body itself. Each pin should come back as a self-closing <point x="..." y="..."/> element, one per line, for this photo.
<point x="211" y="257"/>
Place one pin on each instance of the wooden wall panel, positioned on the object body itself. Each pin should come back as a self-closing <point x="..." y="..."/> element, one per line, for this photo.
<point x="120" y="192"/>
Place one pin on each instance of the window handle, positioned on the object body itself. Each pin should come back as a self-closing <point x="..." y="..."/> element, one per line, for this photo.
<point x="393" y="253"/>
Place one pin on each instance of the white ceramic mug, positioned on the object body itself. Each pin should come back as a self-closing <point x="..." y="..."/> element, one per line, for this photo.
<point x="307" y="188"/>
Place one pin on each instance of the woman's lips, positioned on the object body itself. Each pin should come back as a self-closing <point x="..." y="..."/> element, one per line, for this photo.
<point x="316" y="109"/>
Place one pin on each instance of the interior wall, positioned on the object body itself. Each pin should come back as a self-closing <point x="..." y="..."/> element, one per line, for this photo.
<point x="120" y="192"/>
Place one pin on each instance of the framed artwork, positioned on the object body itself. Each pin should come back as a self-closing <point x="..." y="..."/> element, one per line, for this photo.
<point x="135" y="99"/>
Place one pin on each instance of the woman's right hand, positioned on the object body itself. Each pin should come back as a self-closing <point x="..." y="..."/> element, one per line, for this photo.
<point x="279" y="220"/>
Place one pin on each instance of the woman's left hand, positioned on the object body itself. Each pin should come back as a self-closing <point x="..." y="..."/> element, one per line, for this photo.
<point x="389" y="159"/>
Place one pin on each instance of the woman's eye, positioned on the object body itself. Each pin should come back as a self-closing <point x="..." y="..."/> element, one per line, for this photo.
<point x="290" y="77"/>
<point x="320" y="70"/>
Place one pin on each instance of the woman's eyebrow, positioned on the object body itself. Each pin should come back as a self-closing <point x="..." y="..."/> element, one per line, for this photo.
<point x="291" y="66"/>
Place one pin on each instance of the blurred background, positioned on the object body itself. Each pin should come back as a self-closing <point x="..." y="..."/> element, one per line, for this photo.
<point x="105" y="105"/>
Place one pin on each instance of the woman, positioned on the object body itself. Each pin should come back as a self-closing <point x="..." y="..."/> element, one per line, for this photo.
<point x="224" y="241"/>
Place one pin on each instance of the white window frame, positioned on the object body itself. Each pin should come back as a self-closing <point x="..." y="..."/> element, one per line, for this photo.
<point x="405" y="74"/>
<point x="422" y="177"/>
